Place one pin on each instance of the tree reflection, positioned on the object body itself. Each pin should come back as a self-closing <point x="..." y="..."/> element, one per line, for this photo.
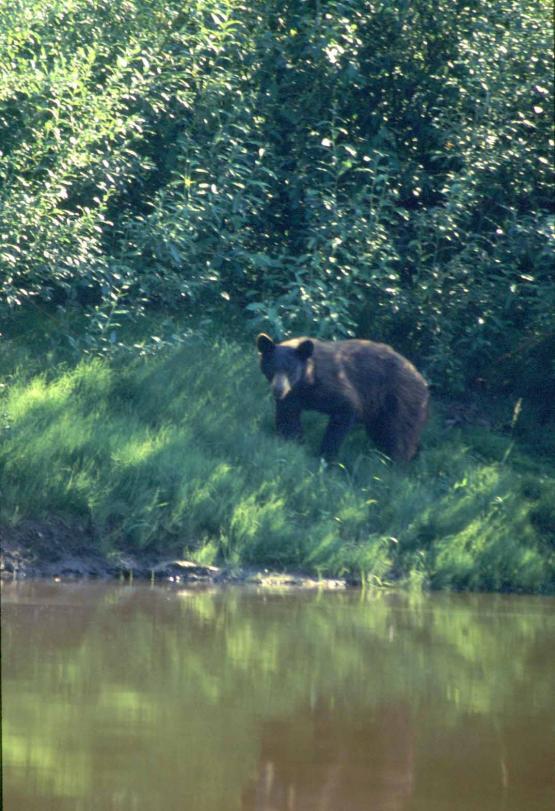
<point x="142" y="698"/>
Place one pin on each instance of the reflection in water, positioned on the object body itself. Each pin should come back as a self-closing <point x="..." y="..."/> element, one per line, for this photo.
<point x="119" y="697"/>
<point x="321" y="761"/>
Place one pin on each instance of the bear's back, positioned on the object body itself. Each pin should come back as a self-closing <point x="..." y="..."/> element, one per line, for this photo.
<point x="356" y="371"/>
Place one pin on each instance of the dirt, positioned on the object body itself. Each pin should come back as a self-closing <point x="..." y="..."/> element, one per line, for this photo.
<point x="55" y="550"/>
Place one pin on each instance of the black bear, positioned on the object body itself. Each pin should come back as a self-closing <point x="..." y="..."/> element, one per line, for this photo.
<point x="352" y="381"/>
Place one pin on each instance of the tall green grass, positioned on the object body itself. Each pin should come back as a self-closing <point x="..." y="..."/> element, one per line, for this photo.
<point x="176" y="454"/>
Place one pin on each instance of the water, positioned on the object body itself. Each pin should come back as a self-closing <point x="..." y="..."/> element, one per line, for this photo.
<point x="118" y="697"/>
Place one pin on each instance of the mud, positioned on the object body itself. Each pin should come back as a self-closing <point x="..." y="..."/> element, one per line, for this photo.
<point x="58" y="551"/>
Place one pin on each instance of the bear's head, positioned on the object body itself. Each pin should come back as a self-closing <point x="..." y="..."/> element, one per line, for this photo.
<point x="282" y="364"/>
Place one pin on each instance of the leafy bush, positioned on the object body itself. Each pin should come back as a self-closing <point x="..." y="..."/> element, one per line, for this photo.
<point x="333" y="167"/>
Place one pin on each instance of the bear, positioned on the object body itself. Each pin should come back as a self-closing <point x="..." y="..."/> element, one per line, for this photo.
<point x="352" y="381"/>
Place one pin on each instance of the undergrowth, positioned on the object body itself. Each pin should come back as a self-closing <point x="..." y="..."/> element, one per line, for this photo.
<point x="176" y="454"/>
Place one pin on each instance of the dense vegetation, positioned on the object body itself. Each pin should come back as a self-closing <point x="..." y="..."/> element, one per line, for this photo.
<point x="334" y="167"/>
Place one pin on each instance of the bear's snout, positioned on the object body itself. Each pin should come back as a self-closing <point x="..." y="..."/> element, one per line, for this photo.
<point x="280" y="386"/>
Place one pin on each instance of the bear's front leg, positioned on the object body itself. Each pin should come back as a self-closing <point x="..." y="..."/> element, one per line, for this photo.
<point x="338" y="427"/>
<point x="288" y="420"/>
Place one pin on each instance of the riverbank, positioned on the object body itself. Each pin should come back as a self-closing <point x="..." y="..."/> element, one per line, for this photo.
<point x="172" y="455"/>
<point x="41" y="551"/>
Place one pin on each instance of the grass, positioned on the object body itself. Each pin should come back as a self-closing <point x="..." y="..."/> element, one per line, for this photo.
<point x="176" y="454"/>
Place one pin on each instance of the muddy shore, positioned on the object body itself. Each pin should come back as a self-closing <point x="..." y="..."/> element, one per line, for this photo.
<point x="56" y="551"/>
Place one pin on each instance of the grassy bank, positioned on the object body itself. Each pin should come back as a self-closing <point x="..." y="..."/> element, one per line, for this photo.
<point x="175" y="454"/>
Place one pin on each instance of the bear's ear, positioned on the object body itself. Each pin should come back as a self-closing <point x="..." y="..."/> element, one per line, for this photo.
<point x="264" y="343"/>
<point x="305" y="349"/>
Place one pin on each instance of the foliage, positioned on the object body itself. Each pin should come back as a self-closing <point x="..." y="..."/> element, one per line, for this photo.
<point x="177" y="454"/>
<point x="333" y="166"/>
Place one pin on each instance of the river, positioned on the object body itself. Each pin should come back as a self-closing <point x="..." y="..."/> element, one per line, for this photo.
<point x="134" y="698"/>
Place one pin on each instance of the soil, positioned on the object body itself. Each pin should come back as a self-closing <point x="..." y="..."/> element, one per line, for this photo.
<point x="55" y="550"/>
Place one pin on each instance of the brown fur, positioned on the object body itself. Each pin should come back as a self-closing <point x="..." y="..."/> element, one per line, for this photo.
<point x="356" y="380"/>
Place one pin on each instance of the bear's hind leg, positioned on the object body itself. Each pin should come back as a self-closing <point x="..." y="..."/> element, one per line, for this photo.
<point x="396" y="431"/>
<point x="382" y="433"/>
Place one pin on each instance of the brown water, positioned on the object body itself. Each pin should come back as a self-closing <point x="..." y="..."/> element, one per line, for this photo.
<point x="118" y="697"/>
